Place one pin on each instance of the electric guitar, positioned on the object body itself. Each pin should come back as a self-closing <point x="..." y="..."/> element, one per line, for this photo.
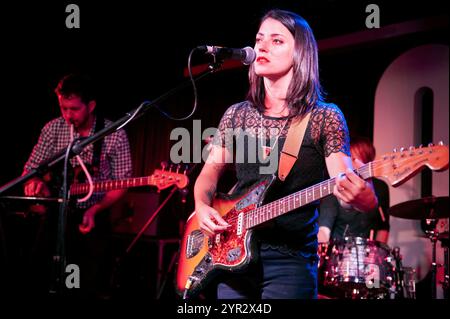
<point x="202" y="257"/>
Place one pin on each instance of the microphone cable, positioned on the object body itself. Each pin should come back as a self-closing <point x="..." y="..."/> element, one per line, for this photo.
<point x="85" y="170"/>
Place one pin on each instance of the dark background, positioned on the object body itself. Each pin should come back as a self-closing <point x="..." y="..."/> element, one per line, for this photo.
<point x="138" y="50"/>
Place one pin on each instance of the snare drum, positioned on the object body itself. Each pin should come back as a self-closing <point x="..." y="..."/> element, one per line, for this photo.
<point x="359" y="268"/>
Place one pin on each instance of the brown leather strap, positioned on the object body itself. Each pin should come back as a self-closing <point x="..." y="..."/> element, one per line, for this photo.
<point x="291" y="147"/>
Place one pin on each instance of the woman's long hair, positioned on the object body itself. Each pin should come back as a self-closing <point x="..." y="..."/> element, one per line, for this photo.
<point x="304" y="91"/>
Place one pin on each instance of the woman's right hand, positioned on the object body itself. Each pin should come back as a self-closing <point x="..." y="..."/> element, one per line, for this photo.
<point x="209" y="220"/>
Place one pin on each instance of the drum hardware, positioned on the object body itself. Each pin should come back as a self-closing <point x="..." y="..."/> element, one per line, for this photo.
<point x="433" y="236"/>
<point x="445" y="284"/>
<point x="429" y="209"/>
<point x="443" y="238"/>
<point x="358" y="268"/>
<point x="409" y="282"/>
<point x="398" y="274"/>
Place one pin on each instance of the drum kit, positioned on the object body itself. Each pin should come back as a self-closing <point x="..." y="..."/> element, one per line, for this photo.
<point x="359" y="268"/>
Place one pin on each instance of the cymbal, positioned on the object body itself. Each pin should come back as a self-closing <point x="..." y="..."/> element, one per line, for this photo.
<point x="423" y="208"/>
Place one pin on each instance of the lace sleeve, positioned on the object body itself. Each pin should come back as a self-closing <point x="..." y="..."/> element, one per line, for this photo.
<point x="334" y="135"/>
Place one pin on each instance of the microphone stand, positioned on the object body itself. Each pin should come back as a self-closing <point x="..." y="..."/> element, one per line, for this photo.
<point x="43" y="168"/>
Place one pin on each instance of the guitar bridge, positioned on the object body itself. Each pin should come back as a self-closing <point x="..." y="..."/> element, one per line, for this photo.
<point x="194" y="243"/>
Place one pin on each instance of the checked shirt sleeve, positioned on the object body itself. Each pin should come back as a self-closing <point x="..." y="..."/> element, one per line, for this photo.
<point x="44" y="148"/>
<point x="121" y="165"/>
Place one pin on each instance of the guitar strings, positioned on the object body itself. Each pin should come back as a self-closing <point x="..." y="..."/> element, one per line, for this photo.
<point x="362" y="170"/>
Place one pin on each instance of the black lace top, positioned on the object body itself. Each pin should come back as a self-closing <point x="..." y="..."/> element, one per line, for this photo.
<point x="249" y="135"/>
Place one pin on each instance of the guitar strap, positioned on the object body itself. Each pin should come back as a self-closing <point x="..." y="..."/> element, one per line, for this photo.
<point x="291" y="147"/>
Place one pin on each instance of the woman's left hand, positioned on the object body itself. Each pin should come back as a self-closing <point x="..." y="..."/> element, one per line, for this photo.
<point x="352" y="190"/>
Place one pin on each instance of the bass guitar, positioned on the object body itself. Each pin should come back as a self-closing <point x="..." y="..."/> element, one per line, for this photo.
<point x="160" y="178"/>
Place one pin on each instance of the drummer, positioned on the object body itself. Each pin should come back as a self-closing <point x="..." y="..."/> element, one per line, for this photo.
<point x="335" y="222"/>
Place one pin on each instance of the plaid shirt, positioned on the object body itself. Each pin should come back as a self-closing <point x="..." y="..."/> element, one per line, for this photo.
<point x="115" y="159"/>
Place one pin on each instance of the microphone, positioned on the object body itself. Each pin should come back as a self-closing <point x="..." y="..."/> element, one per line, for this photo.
<point x="246" y="55"/>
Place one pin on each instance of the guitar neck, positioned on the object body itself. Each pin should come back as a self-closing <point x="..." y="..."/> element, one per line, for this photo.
<point x="298" y="199"/>
<point x="104" y="186"/>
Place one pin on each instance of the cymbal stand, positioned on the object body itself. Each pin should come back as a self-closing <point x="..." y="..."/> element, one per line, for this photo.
<point x="445" y="284"/>
<point x="398" y="274"/>
<point x="433" y="236"/>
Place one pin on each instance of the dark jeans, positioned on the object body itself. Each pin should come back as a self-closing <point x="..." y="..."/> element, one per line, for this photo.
<point x="275" y="276"/>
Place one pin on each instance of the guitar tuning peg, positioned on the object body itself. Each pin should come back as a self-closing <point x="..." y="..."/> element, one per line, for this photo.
<point x="186" y="168"/>
<point x="178" y="168"/>
<point x="164" y="165"/>
<point x="394" y="150"/>
<point x="441" y="143"/>
<point x="430" y="144"/>
<point x="171" y="168"/>
<point x="420" y="146"/>
<point x="412" y="148"/>
<point x="402" y="150"/>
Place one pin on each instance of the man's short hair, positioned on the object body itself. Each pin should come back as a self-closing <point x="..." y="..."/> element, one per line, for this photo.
<point x="80" y="85"/>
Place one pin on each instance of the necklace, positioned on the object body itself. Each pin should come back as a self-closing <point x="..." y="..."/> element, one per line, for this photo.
<point x="268" y="149"/>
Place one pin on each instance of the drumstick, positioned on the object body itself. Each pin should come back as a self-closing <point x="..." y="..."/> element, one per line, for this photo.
<point x="371" y="234"/>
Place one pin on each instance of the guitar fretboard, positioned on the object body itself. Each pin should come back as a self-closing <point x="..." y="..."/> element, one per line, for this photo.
<point x="298" y="199"/>
<point x="105" y="186"/>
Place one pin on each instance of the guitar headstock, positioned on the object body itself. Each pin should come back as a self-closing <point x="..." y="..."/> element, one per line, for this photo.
<point x="401" y="165"/>
<point x="165" y="178"/>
